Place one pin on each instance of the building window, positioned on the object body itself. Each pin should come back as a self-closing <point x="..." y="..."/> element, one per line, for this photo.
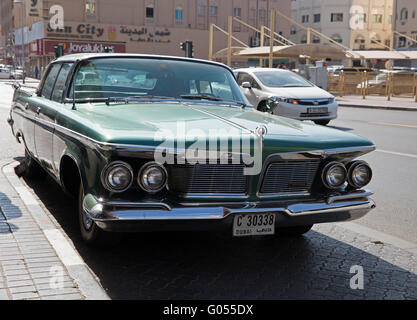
<point x="178" y="15"/>
<point x="305" y="18"/>
<point x="360" y="17"/>
<point x="337" y="38"/>
<point x="404" y="14"/>
<point x="237" y="12"/>
<point x="213" y="10"/>
<point x="90" y="7"/>
<point x="377" y="18"/>
<point x="389" y="19"/>
<point x="262" y="13"/>
<point x="402" y="42"/>
<point x="149" y="12"/>
<point x="201" y="10"/>
<point x="293" y="30"/>
<point x="336" y="17"/>
<point x="317" y="17"/>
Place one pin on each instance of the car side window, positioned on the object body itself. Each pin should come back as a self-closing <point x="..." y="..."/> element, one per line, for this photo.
<point x="50" y="81"/>
<point x="245" y="77"/>
<point x="60" y="82"/>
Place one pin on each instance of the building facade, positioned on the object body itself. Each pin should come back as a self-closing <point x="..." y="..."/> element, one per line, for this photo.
<point x="356" y="24"/>
<point x="406" y="24"/>
<point x="136" y="26"/>
<point x="6" y="30"/>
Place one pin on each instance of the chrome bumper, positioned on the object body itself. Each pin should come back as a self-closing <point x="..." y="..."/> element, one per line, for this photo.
<point x="152" y="216"/>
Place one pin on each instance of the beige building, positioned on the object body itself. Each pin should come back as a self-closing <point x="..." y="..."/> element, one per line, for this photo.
<point x="138" y="26"/>
<point x="356" y="24"/>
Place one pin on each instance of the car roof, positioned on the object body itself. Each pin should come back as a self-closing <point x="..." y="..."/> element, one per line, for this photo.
<point x="86" y="56"/>
<point x="260" y="70"/>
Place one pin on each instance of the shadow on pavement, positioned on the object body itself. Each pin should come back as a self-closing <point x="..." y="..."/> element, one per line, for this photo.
<point x="8" y="212"/>
<point x="217" y="266"/>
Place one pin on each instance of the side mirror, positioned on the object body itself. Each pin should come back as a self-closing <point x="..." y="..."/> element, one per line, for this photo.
<point x="247" y="85"/>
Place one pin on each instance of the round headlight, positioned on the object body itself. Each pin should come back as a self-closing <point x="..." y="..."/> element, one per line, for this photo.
<point x="152" y="177"/>
<point x="117" y="176"/>
<point x="359" y="174"/>
<point x="334" y="175"/>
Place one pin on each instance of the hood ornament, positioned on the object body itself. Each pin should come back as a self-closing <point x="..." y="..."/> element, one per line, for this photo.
<point x="261" y="131"/>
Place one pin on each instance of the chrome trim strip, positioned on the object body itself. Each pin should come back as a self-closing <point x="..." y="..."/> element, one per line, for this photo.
<point x="140" y="211"/>
<point x="100" y="210"/>
<point x="349" y="196"/>
<point x="150" y="205"/>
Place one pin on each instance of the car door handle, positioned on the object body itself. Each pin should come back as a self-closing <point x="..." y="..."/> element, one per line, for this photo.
<point x="38" y="110"/>
<point x="27" y="106"/>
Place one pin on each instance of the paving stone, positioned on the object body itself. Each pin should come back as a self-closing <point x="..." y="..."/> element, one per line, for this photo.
<point x="70" y="296"/>
<point x="23" y="289"/>
<point x="24" y="295"/>
<point x="3" y="294"/>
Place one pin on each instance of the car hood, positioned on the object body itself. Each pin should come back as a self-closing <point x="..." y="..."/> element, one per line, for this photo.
<point x="300" y="92"/>
<point x="144" y="123"/>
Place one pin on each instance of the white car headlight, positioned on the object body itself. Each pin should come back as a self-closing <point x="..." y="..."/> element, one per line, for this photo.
<point x="117" y="176"/>
<point x="334" y="175"/>
<point x="152" y="177"/>
<point x="359" y="174"/>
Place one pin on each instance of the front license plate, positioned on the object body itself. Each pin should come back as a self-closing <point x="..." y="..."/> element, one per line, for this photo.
<point x="318" y="110"/>
<point x="253" y="224"/>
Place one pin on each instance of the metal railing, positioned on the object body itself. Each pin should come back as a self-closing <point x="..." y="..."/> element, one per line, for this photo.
<point x="364" y="83"/>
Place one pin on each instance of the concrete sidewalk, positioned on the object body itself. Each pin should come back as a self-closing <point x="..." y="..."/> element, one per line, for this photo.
<point x="37" y="261"/>
<point x="378" y="102"/>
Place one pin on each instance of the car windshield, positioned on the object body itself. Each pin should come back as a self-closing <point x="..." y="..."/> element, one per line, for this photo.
<point x="281" y="79"/>
<point x="162" y="78"/>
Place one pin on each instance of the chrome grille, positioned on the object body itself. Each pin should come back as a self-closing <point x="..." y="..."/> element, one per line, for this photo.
<point x="290" y="177"/>
<point x="208" y="179"/>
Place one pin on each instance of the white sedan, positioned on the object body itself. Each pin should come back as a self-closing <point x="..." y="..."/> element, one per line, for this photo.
<point x="5" y="73"/>
<point x="284" y="93"/>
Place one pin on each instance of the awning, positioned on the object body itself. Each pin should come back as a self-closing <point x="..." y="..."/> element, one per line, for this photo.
<point x="222" y="54"/>
<point x="380" y="54"/>
<point x="314" y="51"/>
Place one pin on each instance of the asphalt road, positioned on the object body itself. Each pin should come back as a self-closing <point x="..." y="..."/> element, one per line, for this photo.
<point x="394" y="164"/>
<point x="205" y="265"/>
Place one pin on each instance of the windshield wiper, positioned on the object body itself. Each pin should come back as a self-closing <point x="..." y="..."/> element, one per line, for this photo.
<point x="116" y="99"/>
<point x="200" y="97"/>
<point x="149" y="97"/>
<point x="204" y="97"/>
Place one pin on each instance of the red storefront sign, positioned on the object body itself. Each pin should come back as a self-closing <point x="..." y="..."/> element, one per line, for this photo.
<point x="82" y="47"/>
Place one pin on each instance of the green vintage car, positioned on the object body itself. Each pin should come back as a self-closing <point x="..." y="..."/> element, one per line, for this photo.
<point x="154" y="143"/>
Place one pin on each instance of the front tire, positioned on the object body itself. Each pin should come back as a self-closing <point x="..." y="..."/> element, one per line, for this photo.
<point x="32" y="169"/>
<point x="322" y="122"/>
<point x="263" y="108"/>
<point x="294" y="231"/>
<point x="90" y="232"/>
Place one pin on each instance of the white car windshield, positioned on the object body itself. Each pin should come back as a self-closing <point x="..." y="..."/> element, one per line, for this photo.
<point x="279" y="79"/>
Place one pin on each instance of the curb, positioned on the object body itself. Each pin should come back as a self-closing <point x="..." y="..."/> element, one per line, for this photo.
<point x="380" y="236"/>
<point x="377" y="107"/>
<point x="88" y="284"/>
